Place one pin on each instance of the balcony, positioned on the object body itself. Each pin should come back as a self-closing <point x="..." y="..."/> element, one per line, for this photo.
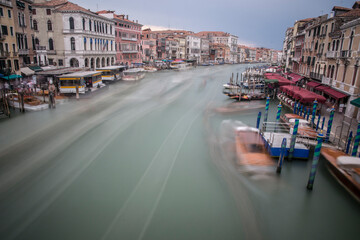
<point x="296" y="59"/>
<point x="129" y="51"/>
<point x="316" y="76"/>
<point x="129" y="39"/>
<point x="51" y="52"/>
<point x="4" y="54"/>
<point x="326" y="80"/>
<point x="23" y="51"/>
<point x="319" y="55"/>
<point x="335" y="35"/>
<point x="331" y="54"/>
<point x="345" y="54"/>
<point x="6" y="3"/>
<point x="2" y="37"/>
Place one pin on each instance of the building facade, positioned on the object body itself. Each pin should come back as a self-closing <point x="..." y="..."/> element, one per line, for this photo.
<point x="9" y="61"/>
<point x="73" y="36"/>
<point x="24" y="33"/>
<point x="127" y="38"/>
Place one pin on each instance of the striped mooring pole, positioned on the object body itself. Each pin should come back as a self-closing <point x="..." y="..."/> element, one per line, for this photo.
<point x="295" y="107"/>
<point x="315" y="161"/>
<point x="348" y="143"/>
<point x="298" y="109"/>
<point x="266" y="110"/>
<point x="304" y="116"/>
<point x="301" y="110"/>
<point x="318" y="122"/>
<point x="356" y="143"/>
<point x="308" y="114"/>
<point x="323" y="123"/>
<point x="332" y="112"/>
<point x="293" y="139"/>
<point x="314" y="112"/>
<point x="258" y="120"/>
<point x="282" y="155"/>
<point x="278" y="115"/>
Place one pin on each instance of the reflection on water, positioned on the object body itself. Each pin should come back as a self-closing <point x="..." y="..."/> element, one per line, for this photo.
<point x="156" y="159"/>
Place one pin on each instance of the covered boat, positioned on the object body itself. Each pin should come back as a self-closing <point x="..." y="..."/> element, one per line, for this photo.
<point x="345" y="169"/>
<point x="133" y="74"/>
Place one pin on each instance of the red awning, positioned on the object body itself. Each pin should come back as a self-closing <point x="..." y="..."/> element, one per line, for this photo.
<point x="335" y="94"/>
<point x="321" y="87"/>
<point x="306" y="96"/>
<point x="312" y="84"/>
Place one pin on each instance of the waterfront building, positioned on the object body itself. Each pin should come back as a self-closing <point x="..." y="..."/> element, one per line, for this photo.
<point x="242" y="53"/>
<point x="286" y="55"/>
<point x="172" y="48"/>
<point x="72" y="36"/>
<point x="193" y="48"/>
<point x="127" y="36"/>
<point x="9" y="60"/>
<point x="148" y="45"/>
<point x="219" y="52"/>
<point x="24" y="33"/>
<point x="182" y="46"/>
<point x="223" y="38"/>
<point x="204" y="56"/>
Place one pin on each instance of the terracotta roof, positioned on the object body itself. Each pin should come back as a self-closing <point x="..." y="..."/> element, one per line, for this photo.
<point x="352" y="13"/>
<point x="340" y="8"/>
<point x="52" y="3"/>
<point x="306" y="20"/>
<point x="104" y="11"/>
<point x="69" y="6"/>
<point x="213" y="33"/>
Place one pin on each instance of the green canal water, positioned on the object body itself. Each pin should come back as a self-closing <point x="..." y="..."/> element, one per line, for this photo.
<point x="155" y="160"/>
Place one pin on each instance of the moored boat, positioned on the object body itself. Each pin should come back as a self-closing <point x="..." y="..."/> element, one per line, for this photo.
<point x="345" y="169"/>
<point x="250" y="150"/>
<point x="133" y="74"/>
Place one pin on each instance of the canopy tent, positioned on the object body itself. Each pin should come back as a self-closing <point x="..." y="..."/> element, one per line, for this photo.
<point x="281" y="80"/>
<point x="313" y="84"/>
<point x="356" y="102"/>
<point x="11" y="77"/>
<point x="301" y="94"/>
<point x="335" y="94"/>
<point x="27" y="71"/>
<point x="321" y="87"/>
<point x="36" y="68"/>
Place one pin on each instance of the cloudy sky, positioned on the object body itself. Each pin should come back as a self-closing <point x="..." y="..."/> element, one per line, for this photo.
<point x="255" y="22"/>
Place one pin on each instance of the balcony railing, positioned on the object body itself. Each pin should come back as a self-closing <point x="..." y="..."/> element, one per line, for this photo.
<point x="345" y="54"/>
<point x="51" y="52"/>
<point x="40" y="48"/>
<point x="6" y="2"/>
<point x="2" y="37"/>
<point x="129" y="51"/>
<point x="23" y="51"/>
<point x="316" y="76"/>
<point x="129" y="39"/>
<point x="331" y="54"/>
<point x="4" y="54"/>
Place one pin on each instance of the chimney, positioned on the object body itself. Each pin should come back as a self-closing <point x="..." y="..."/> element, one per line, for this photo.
<point x="127" y="17"/>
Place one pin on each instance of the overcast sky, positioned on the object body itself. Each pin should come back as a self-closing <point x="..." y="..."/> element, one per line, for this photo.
<point x="261" y="23"/>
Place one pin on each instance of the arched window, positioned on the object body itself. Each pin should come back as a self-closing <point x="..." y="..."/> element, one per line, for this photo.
<point x="83" y="20"/>
<point x="351" y="40"/>
<point x="35" y="24"/>
<point x="84" y="43"/>
<point x="71" y="22"/>
<point x="51" y="44"/>
<point x="90" y="25"/>
<point x="72" y="42"/>
<point x="49" y="25"/>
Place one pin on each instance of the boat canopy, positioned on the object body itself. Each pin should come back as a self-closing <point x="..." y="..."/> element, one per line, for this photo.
<point x="348" y="162"/>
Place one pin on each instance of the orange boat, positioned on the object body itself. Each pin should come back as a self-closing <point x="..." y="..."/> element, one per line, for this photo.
<point x="345" y="169"/>
<point x="250" y="150"/>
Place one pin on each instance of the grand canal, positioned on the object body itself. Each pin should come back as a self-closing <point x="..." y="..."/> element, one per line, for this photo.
<point x="155" y="160"/>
